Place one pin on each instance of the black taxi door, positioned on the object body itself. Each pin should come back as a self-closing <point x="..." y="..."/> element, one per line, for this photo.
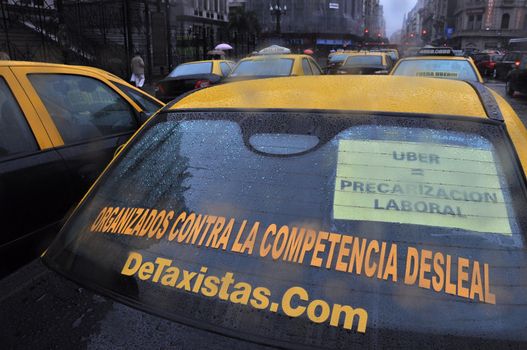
<point x="34" y="180"/>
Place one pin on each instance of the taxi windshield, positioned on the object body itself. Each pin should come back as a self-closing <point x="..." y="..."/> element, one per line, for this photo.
<point x="437" y="68"/>
<point x="264" y="67"/>
<point x="311" y="228"/>
<point x="192" y="68"/>
<point x="365" y="60"/>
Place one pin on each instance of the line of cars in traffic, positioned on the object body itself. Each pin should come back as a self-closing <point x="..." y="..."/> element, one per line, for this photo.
<point x="510" y="67"/>
<point x="241" y="211"/>
<point x="277" y="61"/>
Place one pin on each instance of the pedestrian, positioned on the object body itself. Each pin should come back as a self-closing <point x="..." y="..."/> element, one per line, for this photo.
<point x="138" y="70"/>
<point x="4" y="56"/>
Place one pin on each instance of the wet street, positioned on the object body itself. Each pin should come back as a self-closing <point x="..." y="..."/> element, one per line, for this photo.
<point x="518" y="102"/>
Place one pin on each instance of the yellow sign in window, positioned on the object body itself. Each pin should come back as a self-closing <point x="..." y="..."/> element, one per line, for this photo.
<point x="430" y="74"/>
<point x="419" y="183"/>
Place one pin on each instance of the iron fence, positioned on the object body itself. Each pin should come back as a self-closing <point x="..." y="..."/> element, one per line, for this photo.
<point x="99" y="33"/>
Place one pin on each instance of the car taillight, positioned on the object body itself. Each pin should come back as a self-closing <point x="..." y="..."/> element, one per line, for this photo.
<point x="201" y="84"/>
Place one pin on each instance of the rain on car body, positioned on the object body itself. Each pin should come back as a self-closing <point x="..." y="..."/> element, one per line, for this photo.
<point x="367" y="216"/>
<point x="60" y="126"/>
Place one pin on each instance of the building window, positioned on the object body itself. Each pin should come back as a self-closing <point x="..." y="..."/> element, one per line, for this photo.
<point x="470" y="24"/>
<point x="477" y="24"/>
<point x="505" y="19"/>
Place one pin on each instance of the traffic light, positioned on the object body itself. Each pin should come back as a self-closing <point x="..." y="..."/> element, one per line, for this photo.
<point x="425" y="35"/>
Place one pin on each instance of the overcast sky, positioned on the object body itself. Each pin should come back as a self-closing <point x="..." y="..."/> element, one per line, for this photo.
<point x="394" y="11"/>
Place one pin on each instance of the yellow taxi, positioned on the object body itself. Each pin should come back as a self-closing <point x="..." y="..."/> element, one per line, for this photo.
<point x="314" y="212"/>
<point x="438" y="63"/>
<point x="59" y="127"/>
<point x="265" y="66"/>
<point x="366" y="62"/>
<point x="192" y="75"/>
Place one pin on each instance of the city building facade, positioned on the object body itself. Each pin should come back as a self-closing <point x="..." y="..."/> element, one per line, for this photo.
<point x="374" y="23"/>
<point x="198" y="26"/>
<point x="488" y="24"/>
<point x="466" y="24"/>
<point x="433" y="15"/>
<point x="107" y="33"/>
<point x="412" y="24"/>
<point x="307" y="23"/>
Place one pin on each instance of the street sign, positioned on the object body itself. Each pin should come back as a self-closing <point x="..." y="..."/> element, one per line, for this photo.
<point x="333" y="5"/>
<point x="330" y="42"/>
<point x="449" y="32"/>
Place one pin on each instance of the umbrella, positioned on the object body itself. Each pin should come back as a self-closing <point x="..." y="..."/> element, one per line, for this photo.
<point x="308" y="52"/>
<point x="216" y="53"/>
<point x="223" y="47"/>
<point x="274" y="50"/>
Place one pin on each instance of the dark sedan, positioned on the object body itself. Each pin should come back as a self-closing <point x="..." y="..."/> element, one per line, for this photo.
<point x="510" y="61"/>
<point x="517" y="78"/>
<point x="335" y="61"/>
<point x="367" y="63"/>
<point x="192" y="75"/>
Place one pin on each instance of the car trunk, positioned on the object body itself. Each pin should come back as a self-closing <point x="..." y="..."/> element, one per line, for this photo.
<point x="170" y="88"/>
<point x="362" y="70"/>
<point x="312" y="229"/>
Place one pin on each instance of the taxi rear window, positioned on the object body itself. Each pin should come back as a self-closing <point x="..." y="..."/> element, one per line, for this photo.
<point x="338" y="58"/>
<point x="192" y="68"/>
<point x="437" y="68"/>
<point x="264" y="67"/>
<point x="312" y="229"/>
<point x="363" y="60"/>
